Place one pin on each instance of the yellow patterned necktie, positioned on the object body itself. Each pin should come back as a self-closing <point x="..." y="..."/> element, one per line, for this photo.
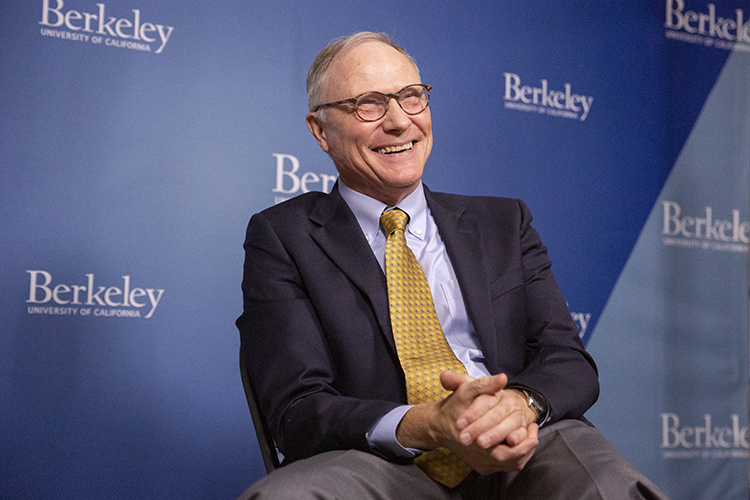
<point x="422" y="348"/>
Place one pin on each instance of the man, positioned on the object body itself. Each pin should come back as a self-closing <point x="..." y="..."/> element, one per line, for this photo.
<point x="324" y="334"/>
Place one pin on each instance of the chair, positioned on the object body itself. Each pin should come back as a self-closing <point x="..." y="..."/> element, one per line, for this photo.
<point x="265" y="440"/>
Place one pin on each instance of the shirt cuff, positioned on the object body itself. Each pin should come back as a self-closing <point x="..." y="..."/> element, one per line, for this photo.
<point x="382" y="436"/>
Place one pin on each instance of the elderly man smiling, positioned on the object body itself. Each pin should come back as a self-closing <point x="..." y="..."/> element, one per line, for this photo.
<point x="411" y="343"/>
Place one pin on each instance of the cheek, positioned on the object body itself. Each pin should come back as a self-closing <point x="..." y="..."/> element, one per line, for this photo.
<point x="347" y="143"/>
<point x="426" y="125"/>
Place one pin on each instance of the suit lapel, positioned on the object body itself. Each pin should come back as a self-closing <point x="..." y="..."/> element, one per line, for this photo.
<point x="338" y="234"/>
<point x="463" y="242"/>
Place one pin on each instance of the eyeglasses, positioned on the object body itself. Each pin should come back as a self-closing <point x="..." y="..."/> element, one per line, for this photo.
<point x="372" y="106"/>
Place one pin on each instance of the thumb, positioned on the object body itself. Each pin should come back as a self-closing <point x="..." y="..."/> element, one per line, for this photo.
<point x="452" y="380"/>
<point x="489" y="385"/>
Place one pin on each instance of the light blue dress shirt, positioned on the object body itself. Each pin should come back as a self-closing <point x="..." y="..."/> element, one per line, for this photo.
<point x="424" y="240"/>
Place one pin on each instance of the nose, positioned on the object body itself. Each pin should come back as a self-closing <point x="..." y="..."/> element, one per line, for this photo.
<point x="395" y="119"/>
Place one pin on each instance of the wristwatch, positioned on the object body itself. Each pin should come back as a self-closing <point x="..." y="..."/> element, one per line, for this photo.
<point x="536" y="405"/>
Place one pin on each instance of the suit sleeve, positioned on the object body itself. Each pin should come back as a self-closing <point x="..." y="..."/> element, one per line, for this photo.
<point x="292" y="359"/>
<point x="556" y="364"/>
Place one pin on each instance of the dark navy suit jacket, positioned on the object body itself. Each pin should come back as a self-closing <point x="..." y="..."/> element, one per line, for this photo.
<point x="317" y="333"/>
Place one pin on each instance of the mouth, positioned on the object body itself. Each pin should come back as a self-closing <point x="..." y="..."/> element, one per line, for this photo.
<point x="388" y="150"/>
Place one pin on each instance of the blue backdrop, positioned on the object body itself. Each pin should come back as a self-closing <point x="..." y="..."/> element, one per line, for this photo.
<point x="137" y="138"/>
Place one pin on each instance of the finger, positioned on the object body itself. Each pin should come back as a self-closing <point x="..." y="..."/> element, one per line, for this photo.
<point x="518" y="462"/>
<point x="484" y="385"/>
<point x="480" y="417"/>
<point x="515" y="437"/>
<point x="451" y="380"/>
<point x="533" y="430"/>
<point x="491" y="387"/>
<point x="520" y="454"/>
<point x="498" y="419"/>
<point x="495" y="427"/>
<point x="476" y="410"/>
<point x="530" y="438"/>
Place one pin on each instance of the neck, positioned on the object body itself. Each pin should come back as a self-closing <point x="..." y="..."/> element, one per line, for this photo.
<point x="390" y="197"/>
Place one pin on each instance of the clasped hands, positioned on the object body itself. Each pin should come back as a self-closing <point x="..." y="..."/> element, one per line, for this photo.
<point x="489" y="427"/>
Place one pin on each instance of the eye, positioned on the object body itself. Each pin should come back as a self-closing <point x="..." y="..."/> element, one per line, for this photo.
<point x="412" y="93"/>
<point x="370" y="100"/>
<point x="410" y="99"/>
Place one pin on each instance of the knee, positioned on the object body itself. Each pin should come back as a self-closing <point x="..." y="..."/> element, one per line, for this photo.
<point x="315" y="478"/>
<point x="271" y="488"/>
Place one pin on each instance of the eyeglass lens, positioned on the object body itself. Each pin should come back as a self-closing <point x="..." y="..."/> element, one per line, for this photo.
<point x="372" y="106"/>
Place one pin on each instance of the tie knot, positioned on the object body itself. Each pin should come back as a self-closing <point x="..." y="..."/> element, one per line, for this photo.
<point x="393" y="219"/>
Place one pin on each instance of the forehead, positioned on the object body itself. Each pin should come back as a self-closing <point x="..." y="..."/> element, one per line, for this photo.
<point x="368" y="66"/>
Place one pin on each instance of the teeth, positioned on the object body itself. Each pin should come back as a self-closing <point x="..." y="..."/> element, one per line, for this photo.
<point x="395" y="149"/>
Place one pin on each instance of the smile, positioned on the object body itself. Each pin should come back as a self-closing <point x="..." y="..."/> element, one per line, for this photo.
<point x="395" y="149"/>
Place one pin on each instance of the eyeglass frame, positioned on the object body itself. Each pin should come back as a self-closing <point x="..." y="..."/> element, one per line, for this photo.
<point x="388" y="96"/>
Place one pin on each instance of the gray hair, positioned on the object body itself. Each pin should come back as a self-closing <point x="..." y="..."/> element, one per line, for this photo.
<point x="316" y="75"/>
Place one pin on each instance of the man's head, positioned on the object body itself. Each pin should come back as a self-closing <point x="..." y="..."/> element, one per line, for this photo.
<point x="383" y="158"/>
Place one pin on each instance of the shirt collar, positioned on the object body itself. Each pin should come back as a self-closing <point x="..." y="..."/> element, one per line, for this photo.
<point x="367" y="210"/>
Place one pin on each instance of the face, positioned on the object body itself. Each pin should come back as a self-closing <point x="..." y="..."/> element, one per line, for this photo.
<point x="383" y="159"/>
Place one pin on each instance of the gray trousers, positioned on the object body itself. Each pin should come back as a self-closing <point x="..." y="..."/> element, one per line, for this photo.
<point x="573" y="461"/>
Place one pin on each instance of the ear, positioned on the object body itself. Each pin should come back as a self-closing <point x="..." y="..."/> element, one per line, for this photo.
<point x="317" y="129"/>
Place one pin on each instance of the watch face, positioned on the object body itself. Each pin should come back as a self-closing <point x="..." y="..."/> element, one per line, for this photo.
<point x="533" y="403"/>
